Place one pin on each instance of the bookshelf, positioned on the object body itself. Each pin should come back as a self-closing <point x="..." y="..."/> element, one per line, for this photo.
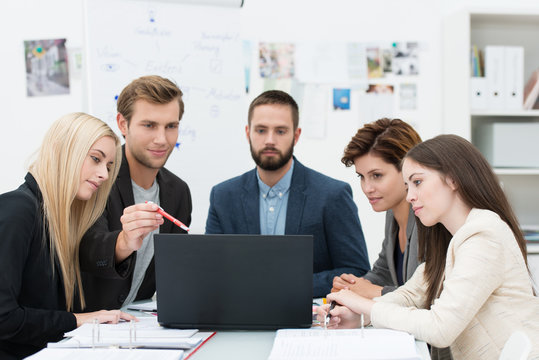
<point x="483" y="27"/>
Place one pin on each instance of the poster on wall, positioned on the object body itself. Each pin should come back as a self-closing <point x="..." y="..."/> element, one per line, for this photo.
<point x="276" y="60"/>
<point x="405" y="58"/>
<point x="341" y="99"/>
<point x="46" y="67"/>
<point x="408" y="96"/>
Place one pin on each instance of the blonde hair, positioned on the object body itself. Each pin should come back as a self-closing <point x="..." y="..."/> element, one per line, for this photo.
<point x="57" y="170"/>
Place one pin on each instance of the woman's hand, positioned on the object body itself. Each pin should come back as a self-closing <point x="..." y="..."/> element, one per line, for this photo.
<point x="360" y="286"/>
<point x="354" y="302"/>
<point x="103" y="316"/>
<point x="345" y="281"/>
<point x="341" y="317"/>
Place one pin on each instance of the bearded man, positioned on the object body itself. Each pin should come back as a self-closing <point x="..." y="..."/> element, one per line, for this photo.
<point x="282" y="196"/>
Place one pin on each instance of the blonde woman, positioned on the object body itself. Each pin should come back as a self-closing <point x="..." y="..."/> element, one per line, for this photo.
<point x="41" y="225"/>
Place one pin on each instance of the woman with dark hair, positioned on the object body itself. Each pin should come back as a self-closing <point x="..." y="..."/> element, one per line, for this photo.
<point x="474" y="289"/>
<point x="376" y="151"/>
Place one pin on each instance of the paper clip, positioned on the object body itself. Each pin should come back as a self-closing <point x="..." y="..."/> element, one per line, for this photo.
<point x="96" y="332"/>
<point x="132" y="333"/>
<point x="362" y="326"/>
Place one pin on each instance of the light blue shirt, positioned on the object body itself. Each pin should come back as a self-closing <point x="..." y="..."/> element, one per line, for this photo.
<point x="273" y="204"/>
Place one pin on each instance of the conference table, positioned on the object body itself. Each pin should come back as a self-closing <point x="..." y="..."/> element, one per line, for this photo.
<point x="247" y="344"/>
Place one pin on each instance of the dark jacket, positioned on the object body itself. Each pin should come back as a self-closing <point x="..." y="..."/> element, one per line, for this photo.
<point x="32" y="298"/>
<point x="317" y="205"/>
<point x="107" y="284"/>
<point x="384" y="272"/>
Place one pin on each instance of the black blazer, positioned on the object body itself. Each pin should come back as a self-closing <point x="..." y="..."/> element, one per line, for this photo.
<point x="32" y="298"/>
<point x="107" y="284"/>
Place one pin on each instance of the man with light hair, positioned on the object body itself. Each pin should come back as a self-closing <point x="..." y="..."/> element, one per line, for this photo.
<point x="116" y="254"/>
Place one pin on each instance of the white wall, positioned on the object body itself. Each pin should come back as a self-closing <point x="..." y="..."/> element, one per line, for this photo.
<point x="24" y="120"/>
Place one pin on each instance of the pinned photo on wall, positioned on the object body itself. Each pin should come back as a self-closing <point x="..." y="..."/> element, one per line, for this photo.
<point x="247" y="51"/>
<point x="387" y="60"/>
<point x="75" y="62"/>
<point x="408" y="96"/>
<point x="381" y="89"/>
<point x="357" y="62"/>
<point x="405" y="58"/>
<point x="314" y="110"/>
<point x="374" y="64"/>
<point x="377" y="102"/>
<point x="341" y="99"/>
<point x="46" y="67"/>
<point x="276" y="60"/>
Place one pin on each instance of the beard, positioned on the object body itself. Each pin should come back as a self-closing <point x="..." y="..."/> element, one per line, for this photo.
<point x="272" y="163"/>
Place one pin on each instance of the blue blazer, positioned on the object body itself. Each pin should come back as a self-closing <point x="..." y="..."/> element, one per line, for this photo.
<point x="317" y="205"/>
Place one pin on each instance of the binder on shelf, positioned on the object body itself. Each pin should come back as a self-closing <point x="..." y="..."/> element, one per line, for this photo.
<point x="494" y="69"/>
<point x="531" y="91"/>
<point x="514" y="77"/>
<point x="478" y="93"/>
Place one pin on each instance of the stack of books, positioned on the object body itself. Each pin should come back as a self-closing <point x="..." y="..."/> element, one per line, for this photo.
<point x="477" y="65"/>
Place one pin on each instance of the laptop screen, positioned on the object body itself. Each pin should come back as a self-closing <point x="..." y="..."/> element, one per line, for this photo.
<point x="234" y="281"/>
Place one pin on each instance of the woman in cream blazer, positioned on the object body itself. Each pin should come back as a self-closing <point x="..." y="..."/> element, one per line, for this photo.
<point x="474" y="289"/>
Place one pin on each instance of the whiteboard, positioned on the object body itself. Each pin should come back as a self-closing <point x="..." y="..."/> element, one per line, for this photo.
<point x="197" y="47"/>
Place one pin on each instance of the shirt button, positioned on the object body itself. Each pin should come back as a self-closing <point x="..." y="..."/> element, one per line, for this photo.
<point x="264" y="196"/>
<point x="271" y="209"/>
<point x="280" y="194"/>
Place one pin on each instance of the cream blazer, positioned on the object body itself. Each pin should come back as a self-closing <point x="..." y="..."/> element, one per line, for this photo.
<point x="487" y="294"/>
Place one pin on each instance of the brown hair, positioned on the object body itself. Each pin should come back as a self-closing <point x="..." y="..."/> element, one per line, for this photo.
<point x="386" y="138"/>
<point x="154" y="89"/>
<point x="478" y="187"/>
<point x="275" y="97"/>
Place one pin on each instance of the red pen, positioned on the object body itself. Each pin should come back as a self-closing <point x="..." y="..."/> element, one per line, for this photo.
<point x="170" y="217"/>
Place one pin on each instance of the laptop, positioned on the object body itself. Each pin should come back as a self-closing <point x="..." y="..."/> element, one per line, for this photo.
<point x="240" y="282"/>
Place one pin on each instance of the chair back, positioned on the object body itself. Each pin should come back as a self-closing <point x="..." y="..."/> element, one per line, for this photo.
<point x="517" y="347"/>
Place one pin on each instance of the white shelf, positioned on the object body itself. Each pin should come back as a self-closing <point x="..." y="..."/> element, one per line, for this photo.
<point x="482" y="27"/>
<point x="516" y="171"/>
<point x="514" y="113"/>
<point x="533" y="248"/>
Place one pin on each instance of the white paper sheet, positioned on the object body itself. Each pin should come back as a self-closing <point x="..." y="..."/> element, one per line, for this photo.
<point x="106" y="354"/>
<point x="146" y="306"/>
<point x="316" y="344"/>
<point x="146" y="327"/>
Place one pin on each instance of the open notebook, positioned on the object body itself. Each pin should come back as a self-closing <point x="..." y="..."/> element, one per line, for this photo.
<point x="319" y="344"/>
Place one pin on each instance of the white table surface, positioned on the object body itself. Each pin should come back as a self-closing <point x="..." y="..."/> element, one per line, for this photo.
<point x="253" y="345"/>
<point x="248" y="344"/>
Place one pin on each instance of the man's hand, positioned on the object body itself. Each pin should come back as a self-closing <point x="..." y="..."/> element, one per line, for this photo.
<point x="137" y="222"/>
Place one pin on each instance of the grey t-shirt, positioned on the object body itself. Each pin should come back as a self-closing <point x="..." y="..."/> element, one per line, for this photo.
<point x="145" y="253"/>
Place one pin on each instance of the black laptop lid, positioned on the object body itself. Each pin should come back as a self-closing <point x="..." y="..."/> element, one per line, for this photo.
<point x="234" y="281"/>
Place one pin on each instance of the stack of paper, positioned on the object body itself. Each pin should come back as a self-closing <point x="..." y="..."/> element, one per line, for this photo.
<point x="146" y="333"/>
<point x="122" y="340"/>
<point x="317" y="344"/>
